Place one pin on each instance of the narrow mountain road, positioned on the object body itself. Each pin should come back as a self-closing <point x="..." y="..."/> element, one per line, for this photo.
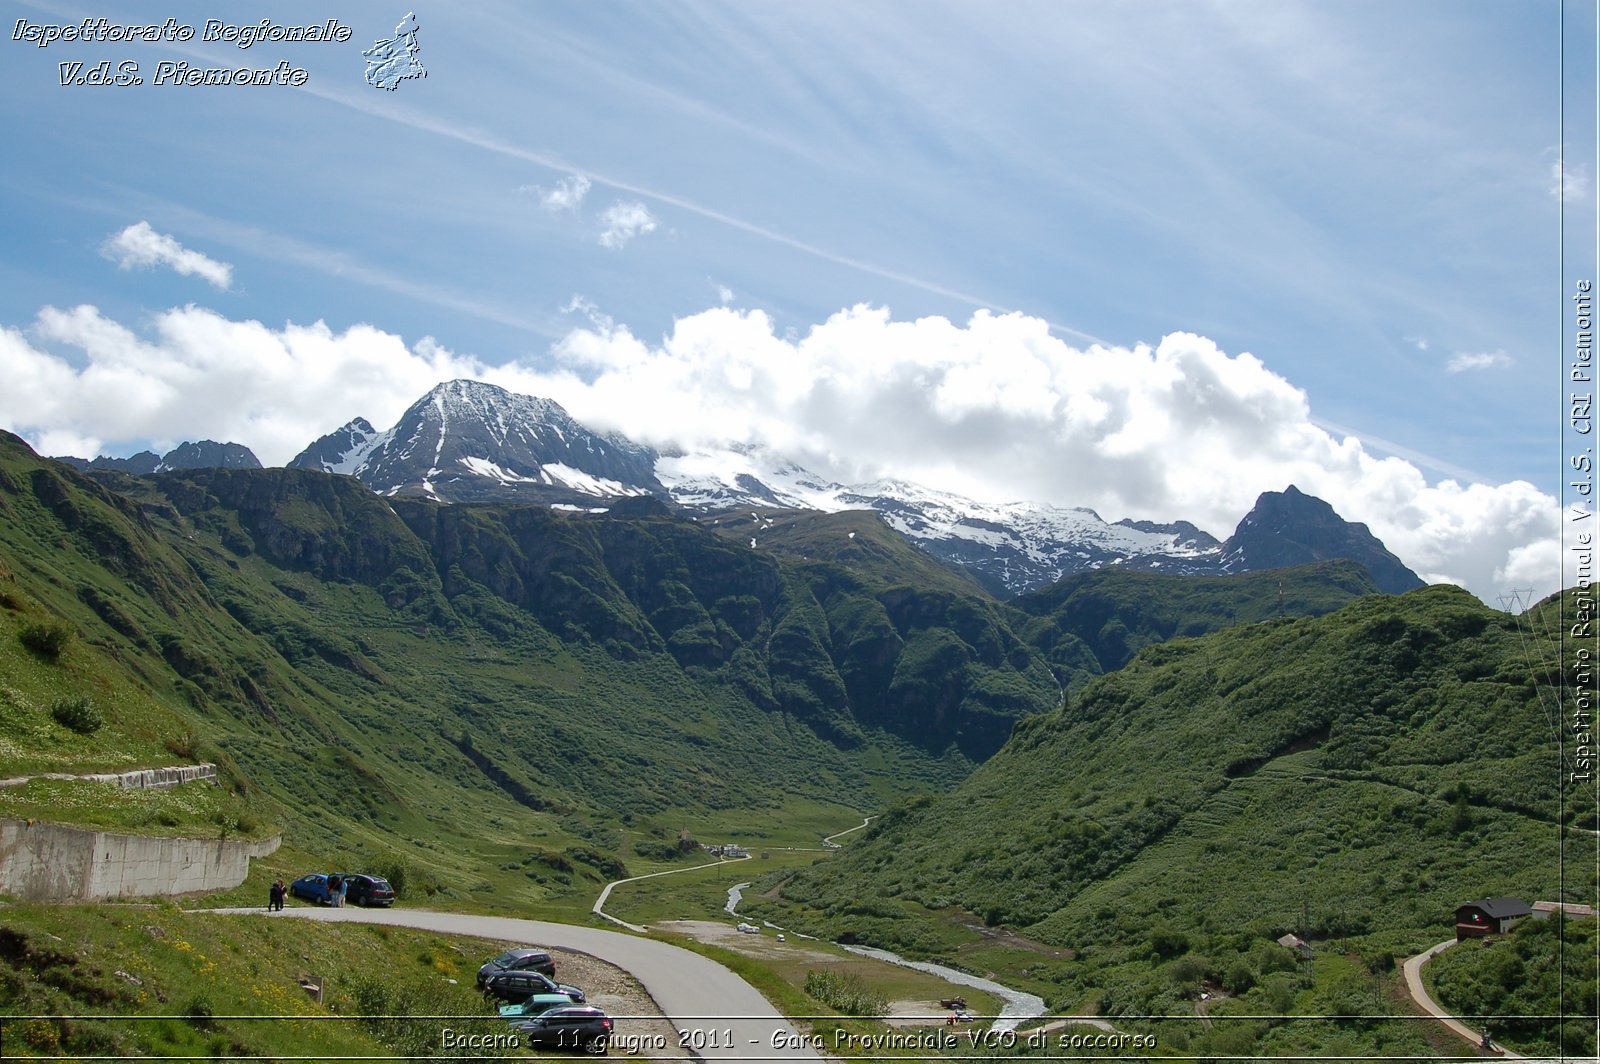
<point x="600" y="902"/>
<point x="850" y="829"/>
<point x="718" y="1014"/>
<point x="1413" y="973"/>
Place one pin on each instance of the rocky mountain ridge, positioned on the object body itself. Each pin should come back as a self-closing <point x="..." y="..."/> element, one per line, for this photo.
<point x="468" y="441"/>
<point x="206" y="454"/>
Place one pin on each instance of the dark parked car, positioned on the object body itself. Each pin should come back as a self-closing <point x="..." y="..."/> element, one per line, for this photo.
<point x="575" y="1027"/>
<point x="312" y="888"/>
<point x="520" y="986"/>
<point x="367" y="890"/>
<point x="524" y="959"/>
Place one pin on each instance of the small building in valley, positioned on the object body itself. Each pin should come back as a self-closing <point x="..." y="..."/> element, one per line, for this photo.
<point x="1493" y="916"/>
<point x="1298" y="946"/>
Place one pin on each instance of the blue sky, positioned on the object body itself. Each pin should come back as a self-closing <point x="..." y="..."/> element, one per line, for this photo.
<point x="1360" y="195"/>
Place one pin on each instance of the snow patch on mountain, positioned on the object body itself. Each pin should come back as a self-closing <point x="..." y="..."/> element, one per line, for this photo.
<point x="1013" y="546"/>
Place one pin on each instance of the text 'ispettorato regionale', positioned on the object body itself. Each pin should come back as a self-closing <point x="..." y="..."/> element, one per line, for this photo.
<point x="177" y="72"/>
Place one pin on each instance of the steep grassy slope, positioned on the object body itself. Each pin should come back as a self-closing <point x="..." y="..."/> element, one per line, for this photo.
<point x="1093" y="623"/>
<point x="148" y="982"/>
<point x="857" y="540"/>
<point x="1351" y="777"/>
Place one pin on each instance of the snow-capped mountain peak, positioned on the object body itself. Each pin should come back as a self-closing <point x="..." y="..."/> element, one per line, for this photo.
<point x="469" y="441"/>
<point x="340" y="451"/>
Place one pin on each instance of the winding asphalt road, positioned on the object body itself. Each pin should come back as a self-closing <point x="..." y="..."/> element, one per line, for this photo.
<point x="1419" y="993"/>
<point x="723" y="1016"/>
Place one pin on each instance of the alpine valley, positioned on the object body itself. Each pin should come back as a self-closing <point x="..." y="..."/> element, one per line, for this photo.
<point x="504" y="659"/>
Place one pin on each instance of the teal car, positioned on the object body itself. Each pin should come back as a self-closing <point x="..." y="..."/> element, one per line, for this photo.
<point x="527" y="1010"/>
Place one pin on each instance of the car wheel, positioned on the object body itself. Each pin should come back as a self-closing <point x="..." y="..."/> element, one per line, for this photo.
<point x="596" y="1047"/>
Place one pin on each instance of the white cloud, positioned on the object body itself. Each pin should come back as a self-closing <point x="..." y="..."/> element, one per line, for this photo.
<point x="200" y="375"/>
<point x="568" y="195"/>
<point x="623" y="221"/>
<point x="1569" y="183"/>
<point x="582" y="304"/>
<point x="1465" y="360"/>
<point x="997" y="408"/>
<point x="140" y="245"/>
<point x="1001" y="409"/>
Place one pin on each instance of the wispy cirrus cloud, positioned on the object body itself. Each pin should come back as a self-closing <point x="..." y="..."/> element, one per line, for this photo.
<point x="1466" y="361"/>
<point x="568" y="195"/>
<point x="141" y="246"/>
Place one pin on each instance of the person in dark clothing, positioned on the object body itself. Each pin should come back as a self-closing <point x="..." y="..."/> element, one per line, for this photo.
<point x="275" y="896"/>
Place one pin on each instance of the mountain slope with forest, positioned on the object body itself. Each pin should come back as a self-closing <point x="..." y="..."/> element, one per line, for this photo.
<point x="1353" y="776"/>
<point x="382" y="669"/>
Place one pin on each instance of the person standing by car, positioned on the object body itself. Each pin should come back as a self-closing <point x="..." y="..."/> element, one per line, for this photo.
<point x="344" y="890"/>
<point x="275" y="896"/>
<point x="335" y="890"/>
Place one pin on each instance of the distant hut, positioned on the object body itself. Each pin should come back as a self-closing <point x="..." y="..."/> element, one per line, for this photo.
<point x="1493" y="916"/>
<point x="1572" y="910"/>
<point x="1298" y="946"/>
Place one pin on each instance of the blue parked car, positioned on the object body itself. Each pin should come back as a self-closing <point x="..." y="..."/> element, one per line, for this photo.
<point x="313" y="888"/>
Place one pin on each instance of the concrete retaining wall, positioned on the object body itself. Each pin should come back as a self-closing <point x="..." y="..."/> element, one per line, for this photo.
<point x="53" y="862"/>
<point x="139" y="777"/>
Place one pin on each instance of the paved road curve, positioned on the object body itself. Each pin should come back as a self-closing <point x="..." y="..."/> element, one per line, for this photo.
<point x="1413" y="973"/>
<point x="723" y="1016"/>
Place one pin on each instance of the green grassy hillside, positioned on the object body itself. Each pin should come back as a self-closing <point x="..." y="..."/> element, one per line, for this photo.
<point x="1095" y="622"/>
<point x="1351" y="778"/>
<point x="100" y="982"/>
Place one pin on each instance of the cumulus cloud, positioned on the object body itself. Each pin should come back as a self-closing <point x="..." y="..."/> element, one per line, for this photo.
<point x="140" y="245"/>
<point x="996" y="408"/>
<point x="1001" y="409"/>
<point x="1464" y="361"/>
<point x="568" y="195"/>
<point x="197" y="374"/>
<point x="623" y="221"/>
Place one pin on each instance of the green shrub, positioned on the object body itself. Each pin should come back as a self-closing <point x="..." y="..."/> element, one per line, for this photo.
<point x="200" y="1013"/>
<point x="46" y="638"/>
<point x="80" y="714"/>
<point x="408" y="880"/>
<point x="847" y="994"/>
<point x="1240" y="978"/>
